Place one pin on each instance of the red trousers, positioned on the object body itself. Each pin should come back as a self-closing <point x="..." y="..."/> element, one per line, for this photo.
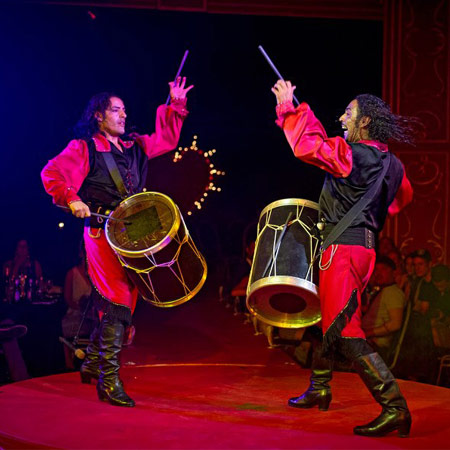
<point x="351" y="267"/>
<point x="106" y="272"/>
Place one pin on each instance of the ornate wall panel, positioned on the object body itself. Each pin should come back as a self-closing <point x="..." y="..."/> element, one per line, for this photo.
<point x="425" y="223"/>
<point x="417" y="83"/>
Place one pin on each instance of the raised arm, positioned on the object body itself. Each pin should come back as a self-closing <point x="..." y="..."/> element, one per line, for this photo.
<point x="307" y="137"/>
<point x="169" y="120"/>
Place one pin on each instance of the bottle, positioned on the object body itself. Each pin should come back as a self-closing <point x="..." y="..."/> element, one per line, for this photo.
<point x="39" y="285"/>
<point x="6" y="281"/>
<point x="17" y="289"/>
<point x="30" y="290"/>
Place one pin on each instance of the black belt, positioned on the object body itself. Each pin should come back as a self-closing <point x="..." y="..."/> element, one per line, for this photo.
<point x="353" y="236"/>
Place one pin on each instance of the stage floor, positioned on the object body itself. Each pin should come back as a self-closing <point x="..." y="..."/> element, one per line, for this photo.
<point x="201" y="379"/>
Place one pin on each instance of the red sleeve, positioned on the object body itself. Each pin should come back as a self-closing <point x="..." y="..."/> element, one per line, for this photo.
<point x="309" y="140"/>
<point x="169" y="120"/>
<point x="64" y="174"/>
<point x="403" y="196"/>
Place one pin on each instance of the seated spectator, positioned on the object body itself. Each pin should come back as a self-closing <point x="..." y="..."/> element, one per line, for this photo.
<point x="417" y="358"/>
<point x="408" y="275"/>
<point x="440" y="321"/>
<point x="397" y="259"/>
<point x="385" y="312"/>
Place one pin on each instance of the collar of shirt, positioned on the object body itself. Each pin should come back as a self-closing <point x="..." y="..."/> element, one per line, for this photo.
<point x="103" y="145"/>
<point x="379" y="145"/>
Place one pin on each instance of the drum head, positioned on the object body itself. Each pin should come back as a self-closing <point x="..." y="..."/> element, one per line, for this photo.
<point x="151" y="220"/>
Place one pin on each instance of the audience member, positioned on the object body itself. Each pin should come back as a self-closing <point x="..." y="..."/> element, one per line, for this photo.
<point x="385" y="313"/>
<point x="396" y="257"/>
<point x="440" y="321"/>
<point x="408" y="275"/>
<point x="417" y="359"/>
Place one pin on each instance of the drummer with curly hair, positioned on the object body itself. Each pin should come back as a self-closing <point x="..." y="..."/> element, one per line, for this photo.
<point x="94" y="173"/>
<point x="352" y="165"/>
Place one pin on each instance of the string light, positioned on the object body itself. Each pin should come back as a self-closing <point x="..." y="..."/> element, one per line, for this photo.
<point x="213" y="172"/>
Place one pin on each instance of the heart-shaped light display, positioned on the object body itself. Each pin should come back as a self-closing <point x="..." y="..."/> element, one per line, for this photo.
<point x="187" y="176"/>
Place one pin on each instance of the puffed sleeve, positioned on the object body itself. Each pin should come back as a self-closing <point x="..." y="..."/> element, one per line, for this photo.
<point x="169" y="120"/>
<point x="64" y="174"/>
<point x="309" y="141"/>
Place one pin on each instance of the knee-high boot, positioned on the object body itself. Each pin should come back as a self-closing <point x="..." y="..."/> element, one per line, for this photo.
<point x="110" y="386"/>
<point x="90" y="369"/>
<point x="319" y="391"/>
<point x="384" y="389"/>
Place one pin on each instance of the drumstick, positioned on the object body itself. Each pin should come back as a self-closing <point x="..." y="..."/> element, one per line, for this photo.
<point x="278" y="244"/>
<point x="178" y="73"/>
<point x="126" y="222"/>
<point x="271" y="64"/>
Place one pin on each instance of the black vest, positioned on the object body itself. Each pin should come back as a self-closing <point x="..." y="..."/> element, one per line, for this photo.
<point x="99" y="189"/>
<point x="340" y="194"/>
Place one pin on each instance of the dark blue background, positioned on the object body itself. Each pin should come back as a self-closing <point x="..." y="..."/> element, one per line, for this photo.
<point x="53" y="58"/>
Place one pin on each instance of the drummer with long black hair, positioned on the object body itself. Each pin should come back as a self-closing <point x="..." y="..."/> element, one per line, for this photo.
<point x="353" y="165"/>
<point x="94" y="173"/>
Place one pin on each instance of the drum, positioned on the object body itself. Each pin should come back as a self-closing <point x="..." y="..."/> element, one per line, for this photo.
<point x="152" y="242"/>
<point x="283" y="283"/>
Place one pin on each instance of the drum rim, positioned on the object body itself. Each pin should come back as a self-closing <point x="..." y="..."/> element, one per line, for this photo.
<point x="289" y="202"/>
<point x="161" y="244"/>
<point x="288" y="280"/>
<point x="191" y="294"/>
<point x="282" y="279"/>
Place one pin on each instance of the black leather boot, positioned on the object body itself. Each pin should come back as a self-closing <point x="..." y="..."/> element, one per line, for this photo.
<point x="382" y="385"/>
<point x="109" y="386"/>
<point x="318" y="392"/>
<point x="90" y="369"/>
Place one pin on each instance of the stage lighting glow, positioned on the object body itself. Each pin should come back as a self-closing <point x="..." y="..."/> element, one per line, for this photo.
<point x="213" y="172"/>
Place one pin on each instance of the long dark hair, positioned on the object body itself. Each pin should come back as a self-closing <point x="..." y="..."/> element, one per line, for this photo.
<point x="384" y="124"/>
<point x="87" y="126"/>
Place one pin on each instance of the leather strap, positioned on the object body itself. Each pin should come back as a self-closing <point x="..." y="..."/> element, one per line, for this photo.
<point x="115" y="174"/>
<point x="351" y="214"/>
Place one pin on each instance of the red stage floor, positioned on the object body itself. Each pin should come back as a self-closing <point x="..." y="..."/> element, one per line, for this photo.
<point x="201" y="379"/>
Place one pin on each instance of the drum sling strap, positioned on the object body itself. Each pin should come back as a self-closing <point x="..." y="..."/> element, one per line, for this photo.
<point x="115" y="174"/>
<point x="351" y="214"/>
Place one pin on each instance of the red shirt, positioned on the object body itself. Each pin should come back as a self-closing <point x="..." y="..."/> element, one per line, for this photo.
<point x="63" y="175"/>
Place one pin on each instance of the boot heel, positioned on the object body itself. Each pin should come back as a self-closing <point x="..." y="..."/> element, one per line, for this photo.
<point x="324" y="403"/>
<point x="404" y="429"/>
<point x="102" y="396"/>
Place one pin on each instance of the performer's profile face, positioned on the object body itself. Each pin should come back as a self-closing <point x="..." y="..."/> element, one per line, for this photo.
<point x="113" y="121"/>
<point x="349" y="122"/>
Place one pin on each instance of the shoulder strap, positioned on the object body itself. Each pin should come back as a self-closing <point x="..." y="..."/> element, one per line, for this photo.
<point x="347" y="220"/>
<point x="115" y="174"/>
